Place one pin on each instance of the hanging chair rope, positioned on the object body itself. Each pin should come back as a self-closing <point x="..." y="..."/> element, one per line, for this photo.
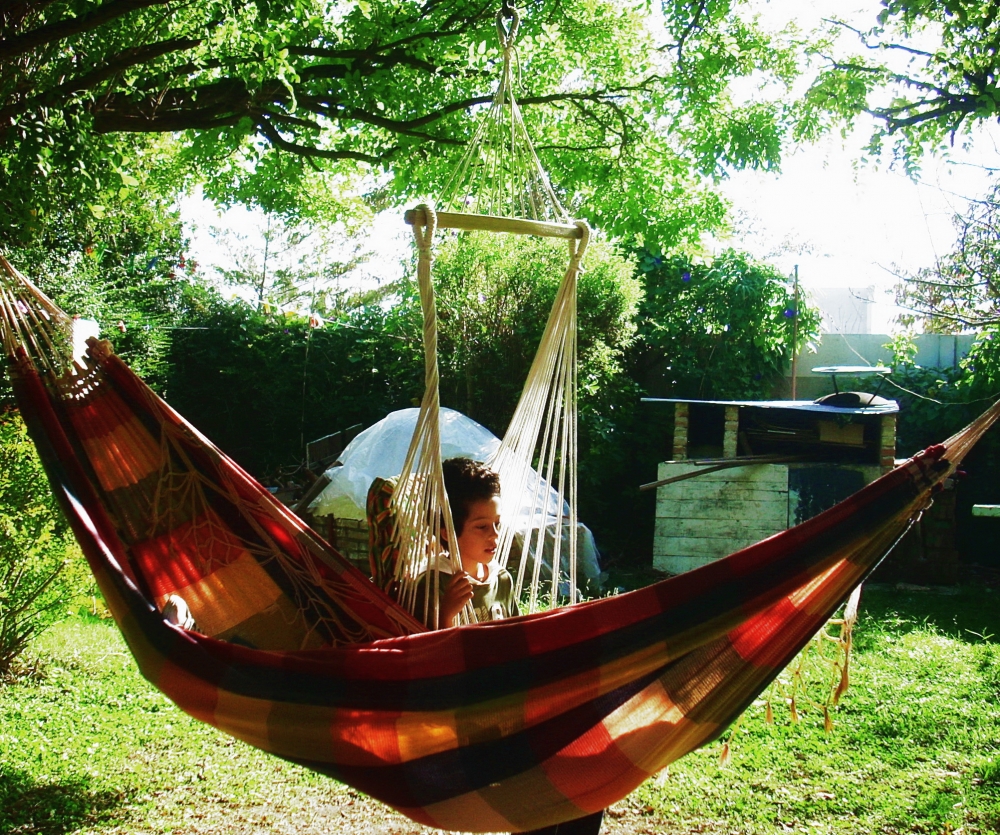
<point x="499" y="186"/>
<point x="547" y="410"/>
<point x="500" y="174"/>
<point x="419" y="503"/>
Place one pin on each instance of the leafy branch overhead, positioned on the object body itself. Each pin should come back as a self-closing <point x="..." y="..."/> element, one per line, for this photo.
<point x="281" y="91"/>
<point x="927" y="72"/>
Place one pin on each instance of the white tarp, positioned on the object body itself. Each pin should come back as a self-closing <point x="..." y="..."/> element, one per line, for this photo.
<point x="380" y="451"/>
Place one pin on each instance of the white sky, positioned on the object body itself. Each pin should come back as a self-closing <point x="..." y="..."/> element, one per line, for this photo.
<point x="843" y="223"/>
<point x="850" y="226"/>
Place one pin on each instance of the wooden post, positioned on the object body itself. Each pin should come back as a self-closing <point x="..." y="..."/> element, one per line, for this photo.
<point x="887" y="445"/>
<point x="795" y="335"/>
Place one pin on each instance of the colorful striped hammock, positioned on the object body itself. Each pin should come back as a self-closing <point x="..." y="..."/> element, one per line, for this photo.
<point x="502" y="726"/>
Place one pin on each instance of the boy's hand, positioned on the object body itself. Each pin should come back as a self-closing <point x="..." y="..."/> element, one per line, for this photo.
<point x="456" y="595"/>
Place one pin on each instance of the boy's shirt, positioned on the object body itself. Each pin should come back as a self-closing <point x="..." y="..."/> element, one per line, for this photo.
<point x="492" y="598"/>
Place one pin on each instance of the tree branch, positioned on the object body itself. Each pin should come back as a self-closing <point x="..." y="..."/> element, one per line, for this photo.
<point x="688" y="31"/>
<point x="863" y="37"/>
<point x="276" y="139"/>
<point x="60" y="29"/>
<point x="57" y="95"/>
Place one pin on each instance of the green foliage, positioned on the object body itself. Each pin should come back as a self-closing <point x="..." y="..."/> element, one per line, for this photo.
<point x="35" y="546"/>
<point x="124" y="268"/>
<point x="293" y="265"/>
<point x="288" y="104"/>
<point x="494" y="294"/>
<point x="902" y="348"/>
<point x="261" y="385"/>
<point x="927" y="74"/>
<point x="721" y="329"/>
<point x="957" y="294"/>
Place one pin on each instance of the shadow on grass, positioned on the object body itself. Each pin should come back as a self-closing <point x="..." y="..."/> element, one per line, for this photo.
<point x="28" y="807"/>
<point x="967" y="613"/>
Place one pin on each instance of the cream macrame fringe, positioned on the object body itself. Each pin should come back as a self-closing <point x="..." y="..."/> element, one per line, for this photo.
<point x="543" y="429"/>
<point x="33" y="322"/>
<point x="500" y="174"/>
<point x="547" y="411"/>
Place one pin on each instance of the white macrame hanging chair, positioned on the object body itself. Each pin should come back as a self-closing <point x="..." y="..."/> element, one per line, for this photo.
<point x="499" y="187"/>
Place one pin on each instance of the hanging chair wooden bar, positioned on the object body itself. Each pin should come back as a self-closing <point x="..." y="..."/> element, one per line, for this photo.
<point x="493" y="223"/>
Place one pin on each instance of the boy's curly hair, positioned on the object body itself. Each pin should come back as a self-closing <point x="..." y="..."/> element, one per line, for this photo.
<point x="467" y="481"/>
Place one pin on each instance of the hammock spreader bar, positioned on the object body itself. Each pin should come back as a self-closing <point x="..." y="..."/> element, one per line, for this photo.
<point x="502" y="726"/>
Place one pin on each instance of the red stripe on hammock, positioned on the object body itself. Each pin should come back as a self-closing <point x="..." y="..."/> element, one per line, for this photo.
<point x="187" y="554"/>
<point x="592" y="771"/>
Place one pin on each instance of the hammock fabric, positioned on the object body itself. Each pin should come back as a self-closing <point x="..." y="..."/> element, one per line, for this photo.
<point x="501" y="726"/>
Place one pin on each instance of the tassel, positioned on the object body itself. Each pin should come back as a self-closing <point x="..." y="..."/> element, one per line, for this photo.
<point x="845" y="680"/>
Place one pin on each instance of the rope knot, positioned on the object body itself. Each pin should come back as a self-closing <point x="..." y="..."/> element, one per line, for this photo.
<point x="423" y="233"/>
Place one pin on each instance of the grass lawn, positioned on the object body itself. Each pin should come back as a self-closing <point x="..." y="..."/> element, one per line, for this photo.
<point x="86" y="745"/>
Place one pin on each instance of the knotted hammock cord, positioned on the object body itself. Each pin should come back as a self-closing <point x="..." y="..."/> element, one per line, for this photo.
<point x="549" y="398"/>
<point x="34" y="323"/>
<point x="500" y="173"/>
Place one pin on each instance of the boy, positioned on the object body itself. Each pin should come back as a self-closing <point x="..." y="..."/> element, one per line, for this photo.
<point x="474" y="497"/>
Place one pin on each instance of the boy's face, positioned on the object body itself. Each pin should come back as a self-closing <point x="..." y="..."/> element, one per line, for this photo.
<point x="477" y="543"/>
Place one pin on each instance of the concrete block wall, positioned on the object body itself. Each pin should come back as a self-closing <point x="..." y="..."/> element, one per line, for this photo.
<point x="701" y="519"/>
<point x="934" y="350"/>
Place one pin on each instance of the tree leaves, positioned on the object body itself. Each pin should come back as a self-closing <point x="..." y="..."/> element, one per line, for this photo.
<point x="928" y="74"/>
<point x="721" y="329"/>
<point x="360" y="88"/>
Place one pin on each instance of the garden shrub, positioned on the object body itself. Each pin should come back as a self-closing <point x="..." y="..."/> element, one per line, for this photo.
<point x="35" y="546"/>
